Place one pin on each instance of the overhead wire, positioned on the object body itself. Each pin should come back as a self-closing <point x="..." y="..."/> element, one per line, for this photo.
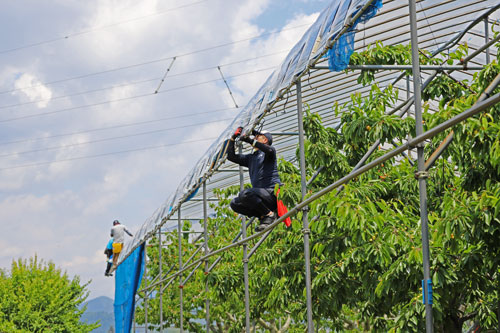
<point x="127" y="98"/>
<point x="113" y="138"/>
<point x="152" y="61"/>
<point x="99" y="28"/>
<point x="105" y="154"/>
<point x="115" y="126"/>
<point x="140" y="81"/>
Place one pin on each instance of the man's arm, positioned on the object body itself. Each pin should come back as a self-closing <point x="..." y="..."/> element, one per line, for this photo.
<point x="267" y="149"/>
<point x="233" y="157"/>
<point x="128" y="232"/>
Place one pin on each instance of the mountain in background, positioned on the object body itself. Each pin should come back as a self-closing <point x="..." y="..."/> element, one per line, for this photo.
<point x="100" y="309"/>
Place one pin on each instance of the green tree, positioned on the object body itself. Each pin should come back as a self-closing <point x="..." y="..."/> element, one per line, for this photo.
<point x="365" y="238"/>
<point x="37" y="297"/>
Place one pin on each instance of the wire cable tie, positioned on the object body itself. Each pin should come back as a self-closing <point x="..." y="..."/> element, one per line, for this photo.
<point x="227" y="85"/>
<point x="164" y="76"/>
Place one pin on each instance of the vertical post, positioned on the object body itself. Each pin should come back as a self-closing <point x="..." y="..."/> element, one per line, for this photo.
<point x="145" y="288"/>
<point x="407" y="87"/>
<point x="421" y="174"/>
<point x="245" y="256"/>
<point x="487" y="38"/>
<point x="179" y="237"/>
<point x="305" y="221"/>
<point x="408" y="97"/>
<point x="160" y="273"/>
<point x="133" y="325"/>
<point x="205" y="234"/>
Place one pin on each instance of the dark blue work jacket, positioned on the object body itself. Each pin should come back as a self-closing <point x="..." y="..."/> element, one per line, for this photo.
<point x="261" y="164"/>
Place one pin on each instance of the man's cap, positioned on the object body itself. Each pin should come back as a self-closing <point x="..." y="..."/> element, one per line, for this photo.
<point x="267" y="135"/>
<point x="115" y="222"/>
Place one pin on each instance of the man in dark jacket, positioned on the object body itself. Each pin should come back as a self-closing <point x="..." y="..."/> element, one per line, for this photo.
<point x="258" y="201"/>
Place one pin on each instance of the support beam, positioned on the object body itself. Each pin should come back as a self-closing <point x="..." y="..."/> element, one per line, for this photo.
<point x="408" y="67"/>
<point x="160" y="272"/>
<point x="245" y="259"/>
<point x="439" y="150"/>
<point x="421" y="174"/>
<point x="146" y="296"/>
<point x="305" y="222"/>
<point x="205" y="232"/>
<point x="181" y="286"/>
<point x="191" y="274"/>
<point x="487" y="38"/>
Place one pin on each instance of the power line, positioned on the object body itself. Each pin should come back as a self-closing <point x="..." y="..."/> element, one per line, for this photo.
<point x="152" y="61"/>
<point x="113" y="138"/>
<point x="105" y="154"/>
<point x="138" y="82"/>
<point x="99" y="28"/>
<point x="126" y="98"/>
<point x="116" y="126"/>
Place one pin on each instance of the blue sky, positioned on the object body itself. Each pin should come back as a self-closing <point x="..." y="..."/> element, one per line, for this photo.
<point x="91" y="94"/>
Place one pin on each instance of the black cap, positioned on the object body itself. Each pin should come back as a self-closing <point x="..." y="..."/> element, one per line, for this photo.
<point x="115" y="222"/>
<point x="267" y="135"/>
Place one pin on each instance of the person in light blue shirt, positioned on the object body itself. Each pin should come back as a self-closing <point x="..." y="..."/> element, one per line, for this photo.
<point x="108" y="251"/>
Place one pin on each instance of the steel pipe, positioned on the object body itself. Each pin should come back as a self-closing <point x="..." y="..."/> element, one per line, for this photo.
<point x="179" y="230"/>
<point x="305" y="221"/>
<point x="205" y="232"/>
<point x="427" y="282"/>
<point x="407" y="67"/>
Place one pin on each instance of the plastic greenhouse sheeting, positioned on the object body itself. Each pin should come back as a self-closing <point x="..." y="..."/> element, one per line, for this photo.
<point x="127" y="281"/>
<point x="337" y="16"/>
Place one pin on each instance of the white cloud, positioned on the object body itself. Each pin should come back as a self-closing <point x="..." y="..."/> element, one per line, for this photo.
<point x="63" y="211"/>
<point x="37" y="92"/>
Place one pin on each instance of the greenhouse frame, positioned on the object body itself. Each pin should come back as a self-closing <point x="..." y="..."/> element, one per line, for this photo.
<point x="316" y="73"/>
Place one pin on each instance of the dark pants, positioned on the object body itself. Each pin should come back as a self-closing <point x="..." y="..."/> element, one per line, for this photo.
<point x="254" y="202"/>
<point x="108" y="267"/>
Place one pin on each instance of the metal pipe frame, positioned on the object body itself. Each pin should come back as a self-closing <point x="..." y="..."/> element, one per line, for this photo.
<point x="191" y="273"/>
<point x="245" y="258"/>
<point x="407" y="67"/>
<point x="302" y="206"/>
<point x="305" y="221"/>
<point x="421" y="174"/>
<point x="181" y="286"/>
<point x="486" y="39"/>
<point x="411" y="143"/>
<point x="145" y="294"/>
<point x="312" y="62"/>
<point x="205" y="232"/>
<point x="160" y="264"/>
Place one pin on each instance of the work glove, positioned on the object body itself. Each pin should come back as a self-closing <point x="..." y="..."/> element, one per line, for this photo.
<point x="237" y="133"/>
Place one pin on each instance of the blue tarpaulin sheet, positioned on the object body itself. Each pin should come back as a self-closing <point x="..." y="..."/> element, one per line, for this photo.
<point x="127" y="280"/>
<point x="340" y="53"/>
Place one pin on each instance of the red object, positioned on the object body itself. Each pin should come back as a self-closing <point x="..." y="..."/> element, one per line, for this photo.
<point x="282" y="210"/>
<point x="238" y="131"/>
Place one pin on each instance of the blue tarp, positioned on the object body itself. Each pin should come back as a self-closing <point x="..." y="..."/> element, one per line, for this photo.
<point x="340" y="53"/>
<point x="127" y="280"/>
